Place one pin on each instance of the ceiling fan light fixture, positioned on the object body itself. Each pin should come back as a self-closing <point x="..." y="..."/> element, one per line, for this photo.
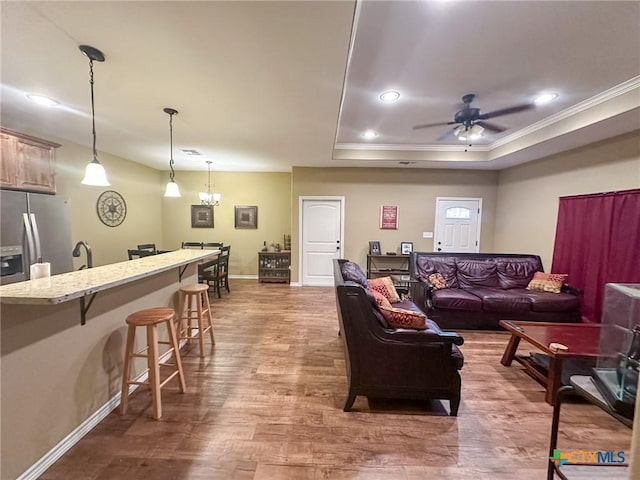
<point x="390" y="96"/>
<point x="545" y="97"/>
<point x="369" y="134"/>
<point x="464" y="133"/>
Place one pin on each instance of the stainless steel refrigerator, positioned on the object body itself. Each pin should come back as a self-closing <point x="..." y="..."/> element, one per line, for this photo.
<point x="33" y="227"/>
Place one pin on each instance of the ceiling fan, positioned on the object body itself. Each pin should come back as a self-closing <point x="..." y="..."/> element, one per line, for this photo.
<point x="471" y="123"/>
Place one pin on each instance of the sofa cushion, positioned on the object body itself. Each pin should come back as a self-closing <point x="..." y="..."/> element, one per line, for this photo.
<point x="446" y="266"/>
<point x="385" y="286"/>
<point x="437" y="281"/>
<point x="551" y="302"/>
<point x="477" y="273"/>
<point x="547" y="282"/>
<point x="401" y="318"/>
<point x="407" y="305"/>
<point x="499" y="300"/>
<point x="352" y="272"/>
<point x="516" y="272"/>
<point x="455" y="299"/>
<point x="458" y="357"/>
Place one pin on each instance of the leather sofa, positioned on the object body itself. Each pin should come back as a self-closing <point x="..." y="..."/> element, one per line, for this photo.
<point x="383" y="362"/>
<point x="484" y="288"/>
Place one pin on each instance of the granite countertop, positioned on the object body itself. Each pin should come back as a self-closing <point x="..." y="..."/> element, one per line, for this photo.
<point x="68" y="286"/>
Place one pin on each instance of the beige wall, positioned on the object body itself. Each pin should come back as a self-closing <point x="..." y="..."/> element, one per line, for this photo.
<point x="527" y="195"/>
<point x="270" y="192"/>
<point x="413" y="190"/>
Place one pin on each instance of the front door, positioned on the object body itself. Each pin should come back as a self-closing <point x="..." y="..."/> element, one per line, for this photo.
<point x="457" y="226"/>
<point x="321" y="237"/>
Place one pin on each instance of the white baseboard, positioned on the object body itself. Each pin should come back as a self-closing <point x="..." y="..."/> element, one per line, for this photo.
<point x="245" y="277"/>
<point x="81" y="430"/>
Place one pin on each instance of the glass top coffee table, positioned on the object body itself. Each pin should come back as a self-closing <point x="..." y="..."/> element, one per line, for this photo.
<point x="581" y="340"/>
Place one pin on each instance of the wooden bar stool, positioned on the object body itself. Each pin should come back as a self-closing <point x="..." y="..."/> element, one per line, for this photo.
<point x="194" y="304"/>
<point x="150" y="318"/>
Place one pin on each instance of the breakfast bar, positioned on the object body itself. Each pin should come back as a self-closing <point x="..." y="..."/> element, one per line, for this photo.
<point x="60" y="377"/>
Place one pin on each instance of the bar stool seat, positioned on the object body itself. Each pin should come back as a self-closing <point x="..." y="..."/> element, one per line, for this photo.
<point x="194" y="305"/>
<point x="150" y="319"/>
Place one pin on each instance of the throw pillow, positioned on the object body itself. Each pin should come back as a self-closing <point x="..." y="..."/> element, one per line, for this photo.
<point x="437" y="281"/>
<point x="385" y="286"/>
<point x="381" y="300"/>
<point x="547" y="282"/>
<point x="353" y="273"/>
<point x="401" y="318"/>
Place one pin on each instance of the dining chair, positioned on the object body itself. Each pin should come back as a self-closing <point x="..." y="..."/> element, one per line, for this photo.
<point x="151" y="247"/>
<point x="197" y="245"/>
<point x="139" y="253"/>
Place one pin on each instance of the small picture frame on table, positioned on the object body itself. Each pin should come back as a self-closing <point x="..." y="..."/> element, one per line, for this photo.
<point x="406" y="248"/>
<point x="374" y="248"/>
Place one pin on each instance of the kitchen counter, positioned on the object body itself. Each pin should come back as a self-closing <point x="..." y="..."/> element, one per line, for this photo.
<point x="68" y="286"/>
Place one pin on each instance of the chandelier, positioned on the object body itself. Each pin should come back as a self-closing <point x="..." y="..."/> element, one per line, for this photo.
<point x="208" y="198"/>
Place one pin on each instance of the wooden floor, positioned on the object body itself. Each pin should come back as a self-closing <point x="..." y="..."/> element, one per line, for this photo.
<point x="267" y="404"/>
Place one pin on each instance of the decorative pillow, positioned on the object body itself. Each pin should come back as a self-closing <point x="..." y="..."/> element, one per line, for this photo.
<point x="437" y="281"/>
<point x="381" y="300"/>
<point x="547" y="282"/>
<point x="401" y="318"/>
<point x="385" y="286"/>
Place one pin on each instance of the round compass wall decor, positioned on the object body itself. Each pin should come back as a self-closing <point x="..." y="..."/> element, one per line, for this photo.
<point x="111" y="207"/>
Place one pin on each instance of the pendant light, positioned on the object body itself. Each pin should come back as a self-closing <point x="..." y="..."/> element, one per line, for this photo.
<point x="208" y="198"/>
<point x="172" y="187"/>
<point x="94" y="173"/>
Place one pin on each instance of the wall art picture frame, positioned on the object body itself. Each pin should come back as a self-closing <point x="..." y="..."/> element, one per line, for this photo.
<point x="406" y="248"/>
<point x="201" y="216"/>
<point x="374" y="248"/>
<point x="389" y="217"/>
<point x="246" y="216"/>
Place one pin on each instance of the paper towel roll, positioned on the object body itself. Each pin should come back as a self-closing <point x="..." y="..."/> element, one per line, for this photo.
<point x="40" y="270"/>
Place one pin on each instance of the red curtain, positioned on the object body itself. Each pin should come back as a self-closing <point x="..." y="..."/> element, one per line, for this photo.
<point x="598" y="242"/>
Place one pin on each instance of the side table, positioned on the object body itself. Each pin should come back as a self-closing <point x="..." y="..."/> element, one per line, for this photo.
<point x="583" y="386"/>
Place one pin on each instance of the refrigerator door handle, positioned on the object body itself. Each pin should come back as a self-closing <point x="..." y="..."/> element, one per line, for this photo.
<point x="27" y="228"/>
<point x="36" y="237"/>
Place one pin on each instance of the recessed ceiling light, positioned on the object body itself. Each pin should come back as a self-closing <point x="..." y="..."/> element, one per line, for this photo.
<point x="545" y="97"/>
<point x="369" y="134"/>
<point x="42" y="100"/>
<point x="390" y="96"/>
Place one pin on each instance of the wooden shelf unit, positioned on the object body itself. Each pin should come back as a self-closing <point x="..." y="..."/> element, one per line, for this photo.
<point x="274" y="267"/>
<point x="394" y="266"/>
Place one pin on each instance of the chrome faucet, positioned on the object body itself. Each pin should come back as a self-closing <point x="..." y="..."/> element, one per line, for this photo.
<point x="76" y="253"/>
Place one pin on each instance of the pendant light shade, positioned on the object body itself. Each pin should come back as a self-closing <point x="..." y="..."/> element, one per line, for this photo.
<point x="94" y="174"/>
<point x="172" y="189"/>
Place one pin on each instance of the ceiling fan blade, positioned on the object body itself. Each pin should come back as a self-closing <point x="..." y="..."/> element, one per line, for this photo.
<point x="491" y="127"/>
<point x="427" y="125"/>
<point x="506" y="111"/>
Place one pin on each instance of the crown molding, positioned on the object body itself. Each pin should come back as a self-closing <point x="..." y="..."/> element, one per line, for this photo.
<point x="412" y="148"/>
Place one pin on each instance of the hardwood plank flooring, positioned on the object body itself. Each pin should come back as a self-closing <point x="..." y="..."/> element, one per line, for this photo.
<point x="266" y="403"/>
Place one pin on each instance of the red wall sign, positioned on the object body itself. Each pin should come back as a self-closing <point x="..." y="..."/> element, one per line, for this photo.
<point x="389" y="217"/>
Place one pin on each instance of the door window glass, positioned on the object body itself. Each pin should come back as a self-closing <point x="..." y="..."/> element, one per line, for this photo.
<point x="458" y="212"/>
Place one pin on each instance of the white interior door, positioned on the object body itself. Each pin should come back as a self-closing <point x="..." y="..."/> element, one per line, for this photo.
<point x="457" y="226"/>
<point x="321" y="236"/>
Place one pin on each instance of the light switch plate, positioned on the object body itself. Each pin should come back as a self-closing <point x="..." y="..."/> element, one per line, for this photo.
<point x="427" y="234"/>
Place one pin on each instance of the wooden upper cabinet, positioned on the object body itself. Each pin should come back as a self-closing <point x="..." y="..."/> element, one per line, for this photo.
<point x="27" y="163"/>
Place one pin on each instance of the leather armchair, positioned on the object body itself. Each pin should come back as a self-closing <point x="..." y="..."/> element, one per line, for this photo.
<point x="394" y="363"/>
